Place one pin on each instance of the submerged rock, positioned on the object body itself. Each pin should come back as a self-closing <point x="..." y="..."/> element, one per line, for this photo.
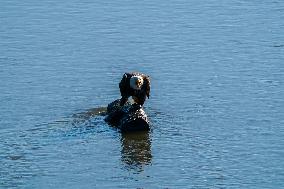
<point x="130" y="117"/>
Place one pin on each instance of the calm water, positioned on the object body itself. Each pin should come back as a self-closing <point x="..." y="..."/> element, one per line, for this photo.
<point x="216" y="110"/>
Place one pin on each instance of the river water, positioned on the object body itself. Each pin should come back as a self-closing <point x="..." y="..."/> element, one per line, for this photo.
<point x="216" y="105"/>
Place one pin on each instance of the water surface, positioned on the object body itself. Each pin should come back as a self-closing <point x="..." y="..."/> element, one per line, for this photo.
<point x="216" y="105"/>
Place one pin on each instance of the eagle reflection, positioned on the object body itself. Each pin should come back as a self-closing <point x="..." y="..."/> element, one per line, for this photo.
<point x="136" y="150"/>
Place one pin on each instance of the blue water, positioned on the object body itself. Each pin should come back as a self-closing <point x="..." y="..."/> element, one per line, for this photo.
<point x="216" y="105"/>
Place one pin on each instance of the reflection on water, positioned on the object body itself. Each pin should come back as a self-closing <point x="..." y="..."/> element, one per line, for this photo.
<point x="136" y="146"/>
<point x="136" y="150"/>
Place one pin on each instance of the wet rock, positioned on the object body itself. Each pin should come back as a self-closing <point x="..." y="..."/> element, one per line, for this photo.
<point x="130" y="117"/>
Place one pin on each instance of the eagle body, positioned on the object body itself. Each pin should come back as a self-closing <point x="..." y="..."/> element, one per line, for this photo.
<point x="136" y="85"/>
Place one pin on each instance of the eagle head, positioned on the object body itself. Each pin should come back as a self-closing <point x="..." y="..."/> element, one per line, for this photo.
<point x="136" y="82"/>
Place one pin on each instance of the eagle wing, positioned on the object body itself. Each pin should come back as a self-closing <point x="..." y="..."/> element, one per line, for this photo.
<point x="147" y="85"/>
<point x="123" y="86"/>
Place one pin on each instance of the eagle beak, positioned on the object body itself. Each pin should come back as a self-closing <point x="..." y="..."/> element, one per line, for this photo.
<point x="139" y="83"/>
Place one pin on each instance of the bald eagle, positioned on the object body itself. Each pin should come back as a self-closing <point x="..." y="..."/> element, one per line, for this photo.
<point x="136" y="85"/>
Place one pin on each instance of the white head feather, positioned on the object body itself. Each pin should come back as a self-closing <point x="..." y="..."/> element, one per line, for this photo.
<point x="136" y="82"/>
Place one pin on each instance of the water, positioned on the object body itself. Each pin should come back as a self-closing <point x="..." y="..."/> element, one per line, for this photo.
<point x="216" y="105"/>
